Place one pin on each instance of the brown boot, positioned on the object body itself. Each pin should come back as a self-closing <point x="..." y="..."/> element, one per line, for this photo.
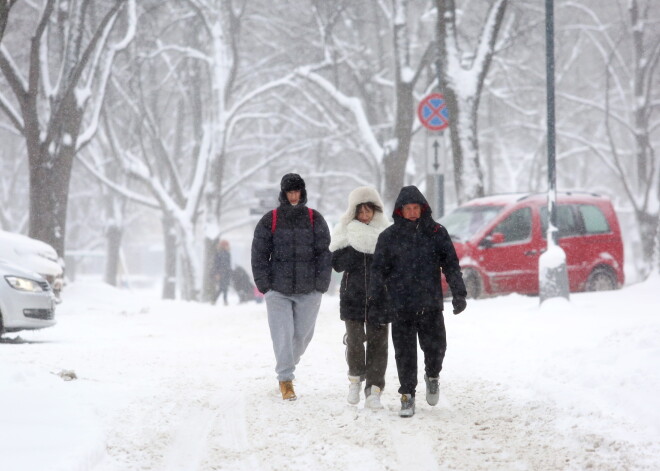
<point x="286" y="388"/>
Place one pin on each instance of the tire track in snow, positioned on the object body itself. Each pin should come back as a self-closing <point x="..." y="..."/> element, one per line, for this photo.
<point x="229" y="446"/>
<point x="188" y="445"/>
<point x="413" y="451"/>
<point x="484" y="428"/>
<point x="477" y="426"/>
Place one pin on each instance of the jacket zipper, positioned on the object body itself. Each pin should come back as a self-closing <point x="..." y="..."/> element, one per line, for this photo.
<point x="366" y="288"/>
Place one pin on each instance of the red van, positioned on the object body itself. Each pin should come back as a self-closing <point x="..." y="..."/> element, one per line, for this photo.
<point x="499" y="239"/>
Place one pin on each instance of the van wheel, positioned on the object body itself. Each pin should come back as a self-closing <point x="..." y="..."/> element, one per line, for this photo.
<point x="601" y="279"/>
<point x="472" y="284"/>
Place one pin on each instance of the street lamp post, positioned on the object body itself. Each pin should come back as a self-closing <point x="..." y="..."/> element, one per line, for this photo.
<point x="553" y="276"/>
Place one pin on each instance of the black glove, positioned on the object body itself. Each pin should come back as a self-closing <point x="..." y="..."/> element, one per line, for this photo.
<point x="459" y="304"/>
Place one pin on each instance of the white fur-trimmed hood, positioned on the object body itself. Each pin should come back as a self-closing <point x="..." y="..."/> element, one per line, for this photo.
<point x="350" y="231"/>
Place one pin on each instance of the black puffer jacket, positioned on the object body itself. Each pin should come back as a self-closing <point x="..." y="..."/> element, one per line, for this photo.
<point x="408" y="259"/>
<point x="352" y="245"/>
<point x="354" y="283"/>
<point x="294" y="259"/>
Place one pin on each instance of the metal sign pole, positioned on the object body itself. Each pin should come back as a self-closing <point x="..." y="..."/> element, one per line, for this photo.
<point x="440" y="195"/>
<point x="550" y="91"/>
<point x="553" y="275"/>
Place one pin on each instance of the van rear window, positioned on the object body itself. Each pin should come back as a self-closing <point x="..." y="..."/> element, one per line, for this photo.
<point x="594" y="219"/>
<point x="567" y="222"/>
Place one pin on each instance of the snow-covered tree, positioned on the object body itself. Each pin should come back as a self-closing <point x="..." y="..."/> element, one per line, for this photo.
<point x="370" y="85"/>
<point x="155" y="148"/>
<point x="57" y="89"/>
<point x="462" y="75"/>
<point x="180" y="161"/>
<point x="632" y="77"/>
<point x="13" y="184"/>
<point x="5" y="6"/>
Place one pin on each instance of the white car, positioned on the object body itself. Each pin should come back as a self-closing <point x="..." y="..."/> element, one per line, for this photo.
<point x="26" y="300"/>
<point x="33" y="255"/>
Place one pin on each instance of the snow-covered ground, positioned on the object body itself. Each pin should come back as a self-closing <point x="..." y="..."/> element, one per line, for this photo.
<point x="183" y="386"/>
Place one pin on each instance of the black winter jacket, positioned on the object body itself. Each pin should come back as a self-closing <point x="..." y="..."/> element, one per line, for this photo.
<point x="354" y="283"/>
<point x="295" y="258"/>
<point x="408" y="259"/>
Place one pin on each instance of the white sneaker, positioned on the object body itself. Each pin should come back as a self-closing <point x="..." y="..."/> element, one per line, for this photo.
<point x="354" y="388"/>
<point x="373" y="399"/>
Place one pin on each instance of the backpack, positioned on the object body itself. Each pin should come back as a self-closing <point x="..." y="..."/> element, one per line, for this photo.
<point x="274" y="223"/>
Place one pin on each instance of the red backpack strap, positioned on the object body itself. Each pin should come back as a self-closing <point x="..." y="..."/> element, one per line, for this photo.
<point x="311" y="216"/>
<point x="273" y="224"/>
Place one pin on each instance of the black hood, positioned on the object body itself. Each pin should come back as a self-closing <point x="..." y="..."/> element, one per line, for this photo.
<point x="290" y="182"/>
<point x="411" y="195"/>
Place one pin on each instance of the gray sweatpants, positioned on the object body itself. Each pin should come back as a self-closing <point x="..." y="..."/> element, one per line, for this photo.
<point x="291" y="319"/>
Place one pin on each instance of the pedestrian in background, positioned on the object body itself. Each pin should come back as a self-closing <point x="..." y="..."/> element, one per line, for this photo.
<point x="409" y="259"/>
<point x="291" y="265"/>
<point x="221" y="271"/>
<point x="352" y="245"/>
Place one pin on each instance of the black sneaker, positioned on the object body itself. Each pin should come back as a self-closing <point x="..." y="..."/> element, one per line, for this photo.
<point x="407" y="405"/>
<point x="432" y="390"/>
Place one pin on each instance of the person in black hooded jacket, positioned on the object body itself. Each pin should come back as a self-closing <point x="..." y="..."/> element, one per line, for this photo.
<point x="406" y="270"/>
<point x="291" y="265"/>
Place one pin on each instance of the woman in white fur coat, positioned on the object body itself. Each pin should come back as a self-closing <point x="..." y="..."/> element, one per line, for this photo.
<point x="352" y="245"/>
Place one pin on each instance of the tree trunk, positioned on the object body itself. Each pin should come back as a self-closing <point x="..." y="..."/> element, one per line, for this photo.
<point x="50" y="175"/>
<point x="396" y="155"/>
<point x="51" y="160"/>
<point x="455" y="138"/>
<point x="648" y="227"/>
<point x="114" y="234"/>
<point x="396" y="159"/>
<point x="190" y="291"/>
<point x="5" y="6"/>
<point x="169" y="242"/>
<point x="462" y="85"/>
<point x="208" y="282"/>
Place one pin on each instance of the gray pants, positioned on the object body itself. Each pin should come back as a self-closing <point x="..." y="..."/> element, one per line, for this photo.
<point x="291" y="319"/>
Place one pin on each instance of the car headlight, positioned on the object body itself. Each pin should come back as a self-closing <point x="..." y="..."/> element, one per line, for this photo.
<point x="23" y="284"/>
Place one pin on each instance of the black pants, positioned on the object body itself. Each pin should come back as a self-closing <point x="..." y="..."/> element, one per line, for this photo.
<point x="369" y="365"/>
<point x="430" y="327"/>
<point x="221" y="289"/>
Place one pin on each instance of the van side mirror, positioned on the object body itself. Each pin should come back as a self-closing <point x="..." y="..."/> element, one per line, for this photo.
<point x="492" y="239"/>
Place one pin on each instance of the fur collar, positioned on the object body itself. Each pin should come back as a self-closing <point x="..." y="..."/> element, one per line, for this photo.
<point x="350" y="231"/>
<point x="362" y="237"/>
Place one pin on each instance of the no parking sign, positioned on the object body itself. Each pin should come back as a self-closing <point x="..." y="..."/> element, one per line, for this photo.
<point x="432" y="112"/>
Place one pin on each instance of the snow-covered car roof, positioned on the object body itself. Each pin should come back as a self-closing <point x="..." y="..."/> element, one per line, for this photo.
<point x="506" y="199"/>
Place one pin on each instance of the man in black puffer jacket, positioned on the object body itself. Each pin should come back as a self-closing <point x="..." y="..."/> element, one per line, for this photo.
<point x="291" y="265"/>
<point x="406" y="270"/>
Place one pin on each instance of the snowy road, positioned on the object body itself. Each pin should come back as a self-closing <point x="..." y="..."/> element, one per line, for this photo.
<point x="181" y="386"/>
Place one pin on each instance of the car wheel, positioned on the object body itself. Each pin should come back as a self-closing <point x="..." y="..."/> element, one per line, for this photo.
<point x="472" y="284"/>
<point x="601" y="279"/>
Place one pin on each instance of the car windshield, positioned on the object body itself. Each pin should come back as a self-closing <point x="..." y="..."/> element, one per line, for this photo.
<point x="464" y="222"/>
